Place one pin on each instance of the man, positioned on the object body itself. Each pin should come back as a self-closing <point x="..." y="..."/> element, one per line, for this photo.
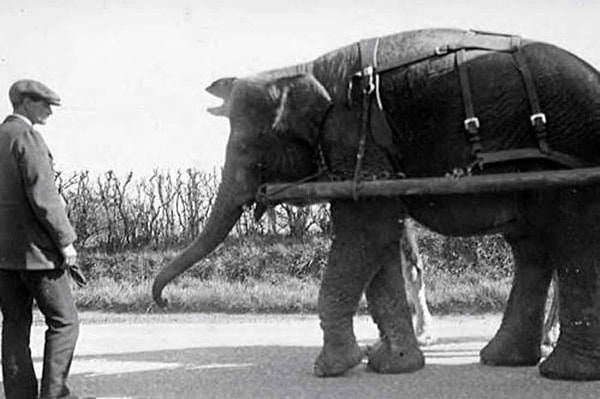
<point x="36" y="249"/>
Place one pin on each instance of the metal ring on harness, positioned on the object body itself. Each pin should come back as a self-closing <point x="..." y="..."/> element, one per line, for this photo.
<point x="540" y="117"/>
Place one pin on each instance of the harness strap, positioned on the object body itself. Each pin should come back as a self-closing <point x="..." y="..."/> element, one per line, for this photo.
<point x="471" y="122"/>
<point x="368" y="79"/>
<point x="522" y="154"/>
<point x="538" y="118"/>
<point x="369" y="86"/>
<point x="360" y="153"/>
<point x="470" y="40"/>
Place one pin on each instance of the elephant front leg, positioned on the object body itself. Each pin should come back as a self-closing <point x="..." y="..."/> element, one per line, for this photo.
<point x="397" y="350"/>
<point x="517" y="342"/>
<point x="364" y="253"/>
<point x="338" y="302"/>
<point x="346" y="276"/>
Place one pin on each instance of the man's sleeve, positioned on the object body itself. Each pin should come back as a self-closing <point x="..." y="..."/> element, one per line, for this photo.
<point x="37" y="174"/>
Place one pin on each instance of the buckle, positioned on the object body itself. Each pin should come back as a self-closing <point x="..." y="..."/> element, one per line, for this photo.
<point x="471" y="123"/>
<point x="368" y="86"/>
<point x="539" y="117"/>
<point x="441" y="50"/>
<point x="368" y="73"/>
<point x="365" y="72"/>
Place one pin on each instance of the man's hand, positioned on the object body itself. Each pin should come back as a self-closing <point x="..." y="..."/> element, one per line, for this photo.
<point x="70" y="263"/>
<point x="69" y="255"/>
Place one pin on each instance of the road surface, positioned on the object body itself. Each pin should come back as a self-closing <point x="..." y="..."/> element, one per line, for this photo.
<point x="220" y="356"/>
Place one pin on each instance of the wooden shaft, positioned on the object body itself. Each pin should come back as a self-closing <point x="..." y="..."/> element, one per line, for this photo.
<point x="492" y="183"/>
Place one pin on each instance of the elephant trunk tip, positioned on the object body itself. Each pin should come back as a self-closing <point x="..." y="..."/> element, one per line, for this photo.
<point x="157" y="295"/>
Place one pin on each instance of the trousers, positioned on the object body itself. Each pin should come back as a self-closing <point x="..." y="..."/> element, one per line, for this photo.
<point x="52" y="292"/>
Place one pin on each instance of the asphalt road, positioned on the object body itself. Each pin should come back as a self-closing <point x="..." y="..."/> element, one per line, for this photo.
<point x="219" y="356"/>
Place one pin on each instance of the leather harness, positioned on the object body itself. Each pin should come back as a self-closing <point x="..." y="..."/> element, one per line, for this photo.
<point x="372" y="110"/>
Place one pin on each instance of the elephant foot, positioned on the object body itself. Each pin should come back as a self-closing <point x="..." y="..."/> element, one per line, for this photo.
<point x="337" y="359"/>
<point x="389" y="358"/>
<point x="563" y="364"/>
<point x="507" y="349"/>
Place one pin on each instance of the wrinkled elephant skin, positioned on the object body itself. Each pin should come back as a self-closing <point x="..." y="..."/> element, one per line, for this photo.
<point x="284" y="121"/>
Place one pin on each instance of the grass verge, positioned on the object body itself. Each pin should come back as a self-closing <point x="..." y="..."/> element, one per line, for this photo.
<point x="276" y="275"/>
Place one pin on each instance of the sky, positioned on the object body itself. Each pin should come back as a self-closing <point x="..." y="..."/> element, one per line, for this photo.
<point x="132" y="73"/>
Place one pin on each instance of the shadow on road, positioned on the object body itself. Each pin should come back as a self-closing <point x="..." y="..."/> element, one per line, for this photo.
<point x="286" y="372"/>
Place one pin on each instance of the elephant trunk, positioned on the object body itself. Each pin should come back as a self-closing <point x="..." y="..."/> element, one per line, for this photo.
<point x="226" y="211"/>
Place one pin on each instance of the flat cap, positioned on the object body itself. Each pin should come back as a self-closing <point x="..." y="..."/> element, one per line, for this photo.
<point x="32" y="88"/>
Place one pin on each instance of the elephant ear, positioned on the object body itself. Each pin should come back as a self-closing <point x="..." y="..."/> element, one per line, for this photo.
<point x="303" y="103"/>
<point x="221" y="88"/>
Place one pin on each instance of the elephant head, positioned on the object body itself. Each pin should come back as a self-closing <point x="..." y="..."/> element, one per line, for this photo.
<point x="274" y="131"/>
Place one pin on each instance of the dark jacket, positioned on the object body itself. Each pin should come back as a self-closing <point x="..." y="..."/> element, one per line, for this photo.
<point x="33" y="220"/>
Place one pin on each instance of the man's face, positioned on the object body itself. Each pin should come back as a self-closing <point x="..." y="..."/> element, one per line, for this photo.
<point x="37" y="110"/>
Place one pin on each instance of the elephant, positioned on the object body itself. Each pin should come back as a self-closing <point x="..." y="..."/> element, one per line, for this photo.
<point x="423" y="103"/>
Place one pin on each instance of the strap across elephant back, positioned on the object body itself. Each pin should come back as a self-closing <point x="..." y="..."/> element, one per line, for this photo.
<point x="468" y="40"/>
<point x="373" y="114"/>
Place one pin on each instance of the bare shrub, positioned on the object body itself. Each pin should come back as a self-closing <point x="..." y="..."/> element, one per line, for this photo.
<point x="115" y="213"/>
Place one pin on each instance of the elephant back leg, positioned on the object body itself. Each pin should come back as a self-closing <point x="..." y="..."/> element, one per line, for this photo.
<point x="576" y="251"/>
<point x="517" y="342"/>
<point x="413" y="272"/>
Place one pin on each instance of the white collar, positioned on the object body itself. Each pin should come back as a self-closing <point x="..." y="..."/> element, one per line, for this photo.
<point x="24" y="119"/>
